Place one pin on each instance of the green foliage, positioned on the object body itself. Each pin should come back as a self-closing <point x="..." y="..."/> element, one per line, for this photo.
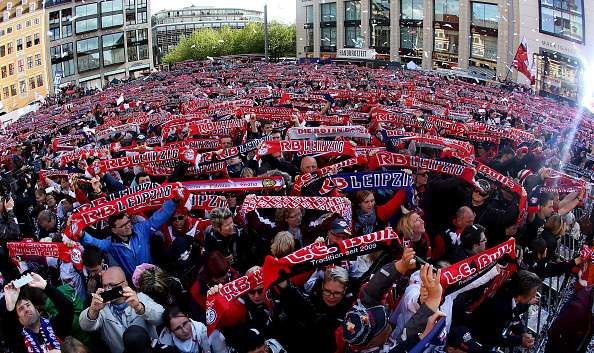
<point x="207" y="42"/>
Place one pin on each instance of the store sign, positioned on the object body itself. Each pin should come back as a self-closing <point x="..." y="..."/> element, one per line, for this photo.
<point x="351" y="53"/>
<point x="557" y="47"/>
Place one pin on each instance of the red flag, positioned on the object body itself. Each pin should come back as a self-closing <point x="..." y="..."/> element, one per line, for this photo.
<point x="521" y="61"/>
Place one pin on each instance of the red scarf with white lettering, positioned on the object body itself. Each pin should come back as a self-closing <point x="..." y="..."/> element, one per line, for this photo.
<point x="339" y="205"/>
<point x="313" y="255"/>
<point x="388" y="159"/>
<point x="57" y="250"/>
<point x="336" y="148"/>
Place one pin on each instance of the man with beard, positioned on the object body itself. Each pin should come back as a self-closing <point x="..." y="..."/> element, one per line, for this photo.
<point x="34" y="333"/>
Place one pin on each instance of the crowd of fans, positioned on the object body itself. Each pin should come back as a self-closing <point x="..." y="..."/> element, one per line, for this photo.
<point x="146" y="278"/>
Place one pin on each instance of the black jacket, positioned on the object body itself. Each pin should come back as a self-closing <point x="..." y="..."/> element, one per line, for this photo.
<point x="304" y="323"/>
<point x="501" y="316"/>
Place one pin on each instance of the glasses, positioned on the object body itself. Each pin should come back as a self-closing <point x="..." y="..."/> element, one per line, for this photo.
<point x="257" y="291"/>
<point x="109" y="286"/>
<point x="332" y="294"/>
<point x="179" y="218"/>
<point x="184" y="325"/>
<point x="480" y="192"/>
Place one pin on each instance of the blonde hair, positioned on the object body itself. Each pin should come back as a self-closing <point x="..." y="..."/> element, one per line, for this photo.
<point x="405" y="226"/>
<point x="283" y="244"/>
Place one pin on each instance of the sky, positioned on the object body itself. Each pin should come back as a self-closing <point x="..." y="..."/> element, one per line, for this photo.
<point x="278" y="10"/>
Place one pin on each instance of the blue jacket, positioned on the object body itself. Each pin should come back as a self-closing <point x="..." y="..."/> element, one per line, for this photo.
<point x="137" y="251"/>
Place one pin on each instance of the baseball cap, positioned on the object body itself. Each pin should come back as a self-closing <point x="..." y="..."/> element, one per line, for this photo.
<point x="461" y="337"/>
<point x="340" y="226"/>
<point x="361" y="324"/>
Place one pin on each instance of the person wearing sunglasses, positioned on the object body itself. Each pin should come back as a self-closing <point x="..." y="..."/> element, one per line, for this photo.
<point x="492" y="211"/>
<point x="183" y="224"/>
<point x="183" y="333"/>
<point x="316" y="316"/>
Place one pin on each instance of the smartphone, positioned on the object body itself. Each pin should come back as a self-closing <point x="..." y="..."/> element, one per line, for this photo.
<point x="114" y="293"/>
<point x="24" y="280"/>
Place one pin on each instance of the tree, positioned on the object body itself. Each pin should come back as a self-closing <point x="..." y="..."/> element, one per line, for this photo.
<point x="207" y="42"/>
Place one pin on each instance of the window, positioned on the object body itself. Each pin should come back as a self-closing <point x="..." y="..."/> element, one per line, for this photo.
<point x="28" y="23"/>
<point x="352" y="11"/>
<point x="131" y="17"/>
<point x="66" y="30"/>
<point x="88" y="54"/>
<point x="86" y="10"/>
<point x="13" y="91"/>
<point x="137" y="44"/>
<point x="446" y="10"/>
<point x="19" y="44"/>
<point x="328" y="38"/>
<point x="141" y="17"/>
<point x="485" y="15"/>
<point x="22" y="86"/>
<point x="36" y="21"/>
<point x="309" y="15"/>
<point x="8" y="30"/>
<point x="483" y="43"/>
<point x="29" y="62"/>
<point x="11" y="69"/>
<point x="54" y="17"/>
<point x="18" y="27"/>
<point x="39" y="80"/>
<point x="111" y="6"/>
<point x="380" y="11"/>
<point x="87" y="45"/>
<point x="6" y="92"/>
<point x="9" y="48"/>
<point x="411" y="37"/>
<point x="4" y="72"/>
<point x="29" y="41"/>
<point x="112" y="20"/>
<point x="352" y="37"/>
<point x="2" y="51"/>
<point x="381" y="39"/>
<point x="446" y="41"/>
<point x="1" y="32"/>
<point x="411" y="9"/>
<point x="54" y="33"/>
<point x="21" y="65"/>
<point x="113" y="49"/>
<point x="36" y="39"/>
<point x="37" y="59"/>
<point x="32" y="83"/>
<point x="86" y="25"/>
<point x="563" y="18"/>
<point x="328" y="12"/>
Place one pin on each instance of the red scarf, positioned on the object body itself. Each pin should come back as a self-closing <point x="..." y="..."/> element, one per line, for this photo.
<point x="307" y="147"/>
<point x="57" y="250"/>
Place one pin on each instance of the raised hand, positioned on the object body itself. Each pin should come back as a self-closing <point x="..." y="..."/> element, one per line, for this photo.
<point x="132" y="300"/>
<point x="431" y="283"/>
<point x="407" y="262"/>
<point x="37" y="282"/>
<point x="11" y="294"/>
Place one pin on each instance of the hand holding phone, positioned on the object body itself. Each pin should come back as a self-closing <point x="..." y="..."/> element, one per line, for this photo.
<point x="23" y="281"/>
<point x="112" y="294"/>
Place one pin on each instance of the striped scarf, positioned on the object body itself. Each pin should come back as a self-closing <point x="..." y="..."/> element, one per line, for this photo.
<point x="50" y="341"/>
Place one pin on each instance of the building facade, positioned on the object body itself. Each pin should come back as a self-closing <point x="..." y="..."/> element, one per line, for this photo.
<point x="168" y="26"/>
<point x="93" y="42"/>
<point x="22" y="54"/>
<point x="479" y="36"/>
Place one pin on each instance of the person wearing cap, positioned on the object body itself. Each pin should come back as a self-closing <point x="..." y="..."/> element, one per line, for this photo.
<point x="296" y="314"/>
<point x="472" y="242"/>
<point x="366" y="328"/>
<point x="460" y="340"/>
<point x="487" y="212"/>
